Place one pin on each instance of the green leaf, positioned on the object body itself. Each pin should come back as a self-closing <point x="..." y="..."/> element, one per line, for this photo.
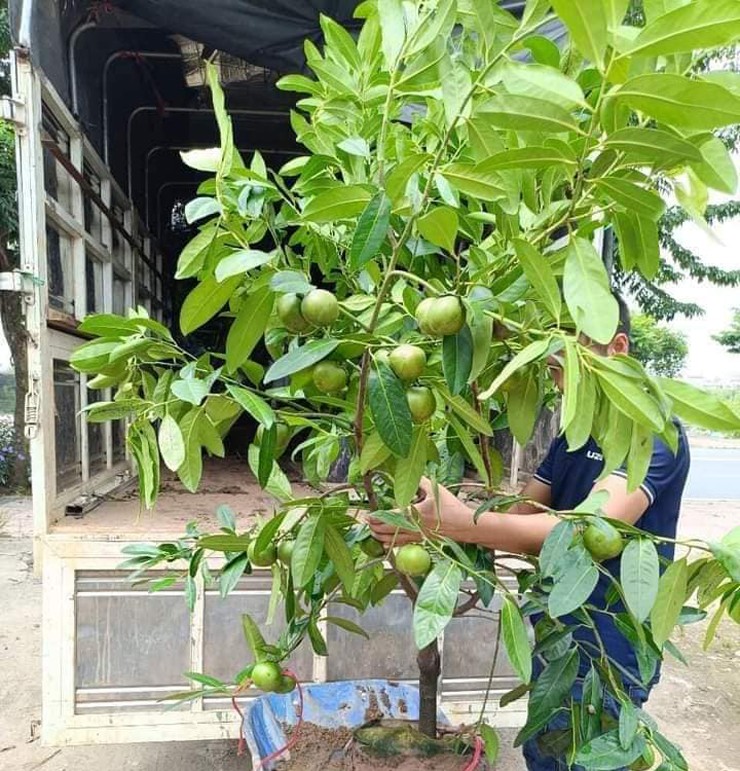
<point x="698" y="25"/>
<point x="587" y="24"/>
<point x="193" y="255"/>
<point x="574" y="582"/>
<point x="525" y="158"/>
<point x="429" y="29"/>
<point x="578" y="431"/>
<point x="277" y="484"/>
<point x="638" y="243"/>
<point x="238" y="263"/>
<point x="202" y="159"/>
<point x="338" y="552"/>
<point x="230" y="574"/>
<point x="628" y="724"/>
<point x="669" y="601"/>
<point x="553" y="685"/>
<point x="393" y="29"/>
<point x="470" y="447"/>
<point x="716" y="167"/>
<point x="727" y="553"/>
<point x="355" y="146"/>
<point x="255" y="405"/>
<point x="672" y="756"/>
<point x="457" y="359"/>
<point x="467" y="179"/>
<point x="287" y="281"/>
<point x="338" y="203"/>
<point x="639" y="575"/>
<point x="171" y="444"/>
<point x="307" y="550"/>
<point x="681" y="102"/>
<point x="439" y="227"/>
<point x="205" y="301"/>
<point x="640" y="455"/>
<point x="467" y="413"/>
<point x="409" y="470"/>
<point x="533" y="351"/>
<point x="371" y="231"/>
<point x="348" y="626"/>
<point x="93" y="356"/>
<point x="248" y="327"/>
<point x="542" y="82"/>
<point x="383" y="588"/>
<point x="523" y="113"/>
<point x="650" y="145"/>
<point x="700" y="408"/>
<point x="300" y="358"/>
<point x="374" y="453"/>
<point x="516" y="639"/>
<point x="514" y="694"/>
<point x="604" y="753"/>
<point x="557" y="543"/>
<point x="587" y="292"/>
<point x="191" y="469"/>
<point x="481" y="328"/>
<point x="436" y="602"/>
<point x="540" y="276"/>
<point x="489" y="735"/>
<point x="523" y="405"/>
<point x="102" y="412"/>
<point x="397" y="179"/>
<point x="266" y="455"/>
<point x="191" y="390"/>
<point x="390" y="409"/>
<point x="318" y="643"/>
<point x="632" y="197"/>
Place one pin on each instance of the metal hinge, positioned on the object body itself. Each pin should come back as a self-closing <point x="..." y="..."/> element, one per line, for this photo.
<point x="20" y="281"/>
<point x="32" y="409"/>
<point x="14" y="111"/>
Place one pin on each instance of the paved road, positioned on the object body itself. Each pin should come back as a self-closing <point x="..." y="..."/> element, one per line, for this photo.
<point x="715" y="473"/>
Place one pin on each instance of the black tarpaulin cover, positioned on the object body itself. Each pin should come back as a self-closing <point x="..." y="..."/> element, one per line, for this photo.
<point x="269" y="33"/>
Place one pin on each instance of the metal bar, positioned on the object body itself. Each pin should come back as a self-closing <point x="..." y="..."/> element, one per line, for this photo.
<point x="204" y="110"/>
<point x="79" y="177"/>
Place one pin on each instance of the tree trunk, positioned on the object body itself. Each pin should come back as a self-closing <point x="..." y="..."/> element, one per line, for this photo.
<point x="429" y="670"/>
<point x="13" y="321"/>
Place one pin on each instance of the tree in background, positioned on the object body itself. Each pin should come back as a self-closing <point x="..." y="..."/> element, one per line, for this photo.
<point x="730" y="338"/>
<point x="676" y="261"/>
<point x="11" y="305"/>
<point x="660" y="349"/>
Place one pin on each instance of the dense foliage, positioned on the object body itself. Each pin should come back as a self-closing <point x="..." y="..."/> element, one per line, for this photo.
<point x="410" y="277"/>
<point x="730" y="337"/>
<point x="659" y="348"/>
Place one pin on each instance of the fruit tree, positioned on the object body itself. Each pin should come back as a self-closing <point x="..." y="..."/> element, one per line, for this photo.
<point x="410" y="277"/>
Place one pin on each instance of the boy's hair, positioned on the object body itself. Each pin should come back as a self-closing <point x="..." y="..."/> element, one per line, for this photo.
<point x="625" y="324"/>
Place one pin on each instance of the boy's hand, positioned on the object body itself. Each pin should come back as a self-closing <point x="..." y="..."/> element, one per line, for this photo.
<point x="439" y="513"/>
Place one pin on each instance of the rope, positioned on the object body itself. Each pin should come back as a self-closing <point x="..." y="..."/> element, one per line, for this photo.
<point x="476" y="755"/>
<point x="295" y="735"/>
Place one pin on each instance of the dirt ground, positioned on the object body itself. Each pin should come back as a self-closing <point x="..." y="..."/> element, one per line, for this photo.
<point x="698" y="707"/>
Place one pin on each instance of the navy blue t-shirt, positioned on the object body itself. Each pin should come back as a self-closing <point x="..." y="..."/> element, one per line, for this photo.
<point x="571" y="477"/>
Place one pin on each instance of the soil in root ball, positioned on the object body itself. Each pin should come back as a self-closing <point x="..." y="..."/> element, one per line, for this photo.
<point x="335" y="749"/>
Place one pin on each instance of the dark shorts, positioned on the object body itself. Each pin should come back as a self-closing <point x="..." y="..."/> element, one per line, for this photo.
<point x="537" y="760"/>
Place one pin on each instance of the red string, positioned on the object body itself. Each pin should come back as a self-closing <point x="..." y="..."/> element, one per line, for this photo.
<point x="98" y="8"/>
<point x="476" y="755"/>
<point x="293" y="737"/>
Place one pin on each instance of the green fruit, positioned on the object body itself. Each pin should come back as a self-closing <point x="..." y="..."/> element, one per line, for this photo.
<point x="446" y="316"/>
<point x="421" y="403"/>
<point x="372" y="548"/>
<point x="289" y="312"/>
<point x="383" y="357"/>
<point x="413" y="560"/>
<point x="646" y="761"/>
<point x="267" y="676"/>
<point x="603" y="542"/>
<point x="287" y="684"/>
<point x="285" y="551"/>
<point x="281" y="441"/>
<point x="329" y="377"/>
<point x="261" y="559"/>
<point x="422" y="316"/>
<point x="320" y="308"/>
<point x="408" y="361"/>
